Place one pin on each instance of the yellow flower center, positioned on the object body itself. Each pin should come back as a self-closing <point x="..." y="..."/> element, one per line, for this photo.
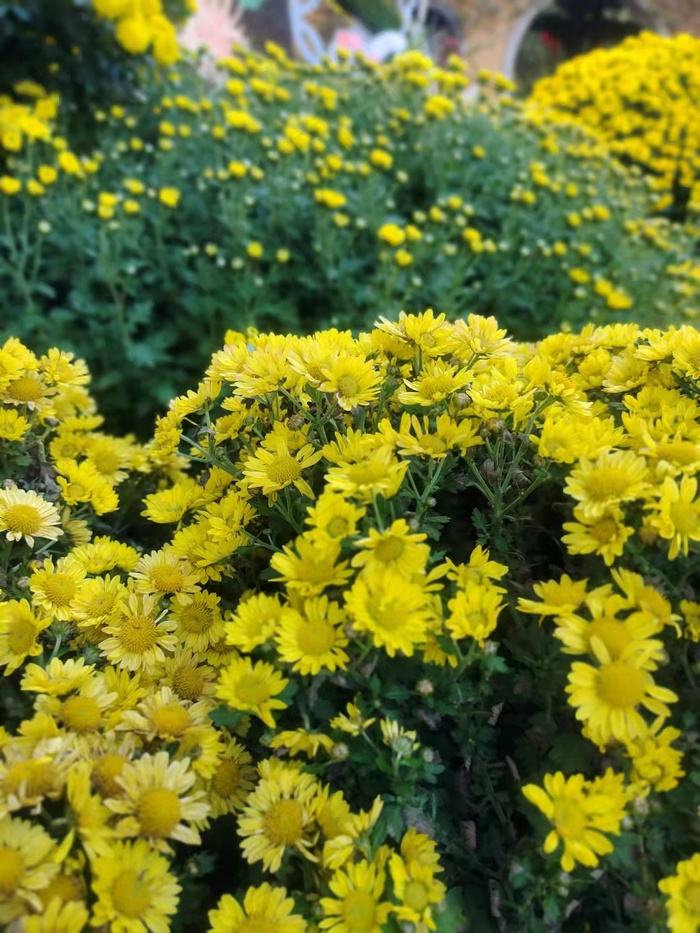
<point x="196" y="618"/>
<point x="428" y="341"/>
<point x="131" y="896"/>
<point x="166" y="578"/>
<point x="367" y="472"/>
<point x="691" y="895"/>
<point x="415" y="896"/>
<point x="25" y="389"/>
<point x="359" y="912"/>
<point x="621" y="685"/>
<point x="284" y="823"/>
<point x="77" y="491"/>
<point x="81" y="714"/>
<point x="389" y="549"/>
<point x="60" y="588"/>
<point x="104" y="774"/>
<point x="106" y="462"/>
<point x="348" y="385"/>
<point x="158" y="811"/>
<point x="188" y="682"/>
<point x="23" y="519"/>
<point x="227" y="779"/>
<point x="569" y="819"/>
<point x="385" y="618"/>
<point x="11" y="870"/>
<point x="253" y="689"/>
<point x="607" y="483"/>
<point x="613" y="633"/>
<point x="435" y="387"/>
<point x="170" y="720"/>
<point x="101" y="604"/>
<point x="315" y="637"/>
<point x="433" y="444"/>
<point x="35" y="777"/>
<point x="138" y="634"/>
<point x="21" y="635"/>
<point x="605" y="530"/>
<point x="284" y="470"/>
<point x="64" y="887"/>
<point x="338" y="527"/>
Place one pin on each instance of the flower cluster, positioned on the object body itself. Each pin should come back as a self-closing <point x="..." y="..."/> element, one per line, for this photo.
<point x="640" y="98"/>
<point x="259" y="201"/>
<point x="141" y="25"/>
<point x="25" y="117"/>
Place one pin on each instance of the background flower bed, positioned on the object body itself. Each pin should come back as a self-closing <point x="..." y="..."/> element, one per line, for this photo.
<point x="345" y="636"/>
<point x="301" y="198"/>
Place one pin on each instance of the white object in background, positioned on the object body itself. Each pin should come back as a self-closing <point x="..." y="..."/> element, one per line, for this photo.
<point x="305" y="39"/>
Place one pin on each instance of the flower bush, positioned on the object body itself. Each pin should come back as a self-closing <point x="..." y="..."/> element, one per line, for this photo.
<point x="412" y="639"/>
<point x="86" y="51"/>
<point x="298" y="198"/>
<point x="641" y="99"/>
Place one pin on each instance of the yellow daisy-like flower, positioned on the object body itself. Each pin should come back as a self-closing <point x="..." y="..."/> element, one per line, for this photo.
<point x="188" y="676"/>
<point x="418" y="437"/>
<point x="436" y="382"/>
<point x="607" y="698"/>
<point x="27" y="864"/>
<point x="394" y="549"/>
<point x="170" y="505"/>
<point x="474" y="612"/>
<point x="579" y="816"/>
<point x="55" y="587"/>
<point x="333" y="518"/>
<point x="58" y="678"/>
<point x="25" y="515"/>
<point x="252" y="687"/>
<point x="264" y="908"/>
<point x="302" y="742"/>
<point x="352" y="380"/>
<point x="313" y="568"/>
<point x="683" y="896"/>
<point x="676" y="514"/>
<point x="278" y="815"/>
<point x="618" y="635"/>
<point x="311" y="638"/>
<point x="13" y="426"/>
<point x="655" y="765"/>
<point x="376" y="473"/>
<point x="232" y="781"/>
<point x="555" y="598"/>
<point x="254" y="621"/>
<point x="19" y="630"/>
<point x="615" y="477"/>
<point x="84" y="712"/>
<point x="417" y="888"/>
<point x="58" y="917"/>
<point x="604" y="534"/>
<point x="272" y="470"/>
<point x="134" y="889"/>
<point x="102" y="554"/>
<point x="198" y="618"/>
<point x="155" y="802"/>
<point x="166" y="574"/>
<point x="138" y="636"/>
<point x="96" y="600"/>
<point x="357" y="905"/>
<point x="165" y="716"/>
<point x="393" y="609"/>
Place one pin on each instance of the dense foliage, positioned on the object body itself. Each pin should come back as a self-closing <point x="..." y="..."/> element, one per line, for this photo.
<point x="300" y="198"/>
<point x="642" y="99"/>
<point x="422" y="603"/>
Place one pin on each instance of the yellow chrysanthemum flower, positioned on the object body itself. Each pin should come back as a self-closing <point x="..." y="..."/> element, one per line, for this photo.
<point x="393" y="609"/>
<point x="264" y="908"/>
<point x="232" y="781"/>
<point x="27" y="864"/>
<point x="25" y="515"/>
<point x="278" y="815"/>
<point x="683" y="896"/>
<point x="357" y="905"/>
<point x="134" y="889"/>
<point x="579" y="815"/>
<point x="158" y="802"/>
<point x="19" y="631"/>
<point x="311" y="638"/>
<point x="252" y="687"/>
<point x="139" y="637"/>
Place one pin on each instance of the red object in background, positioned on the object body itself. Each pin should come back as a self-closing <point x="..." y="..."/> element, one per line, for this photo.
<point x="552" y="43"/>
